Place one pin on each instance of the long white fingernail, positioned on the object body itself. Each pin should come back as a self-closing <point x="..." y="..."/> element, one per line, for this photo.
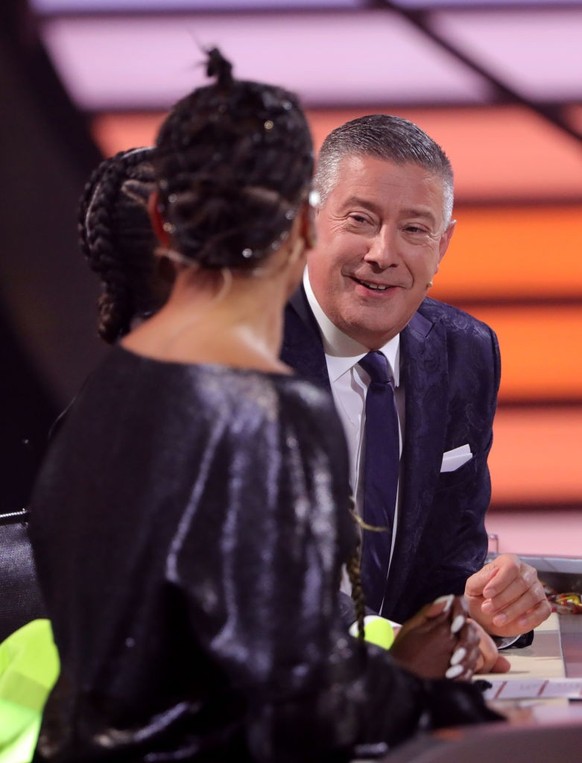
<point x="458" y="655"/>
<point x="457" y="623"/>
<point x="448" y="599"/>
<point x="454" y="671"/>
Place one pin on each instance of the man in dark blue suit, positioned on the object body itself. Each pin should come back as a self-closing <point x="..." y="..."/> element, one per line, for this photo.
<point x="384" y="222"/>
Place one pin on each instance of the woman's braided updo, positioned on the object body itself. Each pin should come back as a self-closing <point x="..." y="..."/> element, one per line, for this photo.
<point x="233" y="163"/>
<point x="117" y="239"/>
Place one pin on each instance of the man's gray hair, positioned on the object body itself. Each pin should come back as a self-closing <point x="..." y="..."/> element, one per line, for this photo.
<point x="385" y="137"/>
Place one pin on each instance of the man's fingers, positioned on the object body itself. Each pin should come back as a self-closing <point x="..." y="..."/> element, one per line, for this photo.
<point x="478" y="580"/>
<point x="513" y="600"/>
<point x="494" y="577"/>
<point x="511" y="597"/>
<point x="508" y="568"/>
<point x="529" y="599"/>
<point x="535" y="616"/>
<point x="523" y="575"/>
<point x="525" y="622"/>
<point x="524" y="592"/>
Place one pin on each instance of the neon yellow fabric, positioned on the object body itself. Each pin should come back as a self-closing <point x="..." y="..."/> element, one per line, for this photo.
<point x="29" y="667"/>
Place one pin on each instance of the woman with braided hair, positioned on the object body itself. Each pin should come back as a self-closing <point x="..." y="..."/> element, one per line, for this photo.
<point x="190" y="522"/>
<point x="118" y="242"/>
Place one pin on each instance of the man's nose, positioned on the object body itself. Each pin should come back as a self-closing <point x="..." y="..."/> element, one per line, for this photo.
<point x="383" y="249"/>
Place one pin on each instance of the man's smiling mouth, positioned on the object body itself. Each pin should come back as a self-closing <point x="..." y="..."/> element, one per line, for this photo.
<point x="371" y="286"/>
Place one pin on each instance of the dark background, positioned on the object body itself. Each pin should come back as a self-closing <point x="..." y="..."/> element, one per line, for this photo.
<point x="47" y="326"/>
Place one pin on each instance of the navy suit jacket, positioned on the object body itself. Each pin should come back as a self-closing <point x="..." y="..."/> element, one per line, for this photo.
<point x="450" y="367"/>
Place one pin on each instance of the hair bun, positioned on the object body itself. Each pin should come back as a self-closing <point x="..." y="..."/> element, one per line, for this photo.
<point x="233" y="163"/>
<point x="218" y="66"/>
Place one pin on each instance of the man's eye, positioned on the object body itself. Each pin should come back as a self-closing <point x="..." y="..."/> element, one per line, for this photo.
<point x="360" y="219"/>
<point x="418" y="233"/>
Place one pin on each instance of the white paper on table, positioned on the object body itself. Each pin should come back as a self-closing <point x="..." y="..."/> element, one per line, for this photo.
<point x="534" y="688"/>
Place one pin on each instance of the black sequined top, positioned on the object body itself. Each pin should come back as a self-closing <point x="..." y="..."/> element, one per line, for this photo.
<point x="189" y="525"/>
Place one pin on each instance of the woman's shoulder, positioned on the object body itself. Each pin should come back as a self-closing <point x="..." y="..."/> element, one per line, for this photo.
<point x="219" y="390"/>
<point x="309" y="394"/>
<point x="307" y="408"/>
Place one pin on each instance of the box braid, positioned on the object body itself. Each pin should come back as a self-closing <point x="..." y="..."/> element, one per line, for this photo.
<point x="233" y="163"/>
<point x="354" y="575"/>
<point x="118" y="242"/>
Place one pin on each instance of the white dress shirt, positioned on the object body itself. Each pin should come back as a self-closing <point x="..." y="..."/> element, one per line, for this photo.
<point x="349" y="383"/>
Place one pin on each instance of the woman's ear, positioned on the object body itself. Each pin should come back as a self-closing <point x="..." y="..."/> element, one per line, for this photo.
<point x="156" y="220"/>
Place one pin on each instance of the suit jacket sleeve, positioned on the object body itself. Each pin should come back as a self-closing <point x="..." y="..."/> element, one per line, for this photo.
<point x="450" y="402"/>
<point x="472" y="409"/>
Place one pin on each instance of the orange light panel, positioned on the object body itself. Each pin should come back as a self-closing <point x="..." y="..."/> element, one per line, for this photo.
<point x="541" y="351"/>
<point x="537" y="456"/>
<point x="513" y="252"/>
<point x="116" y="132"/>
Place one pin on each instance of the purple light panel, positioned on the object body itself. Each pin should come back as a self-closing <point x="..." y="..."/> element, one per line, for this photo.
<point x="329" y="59"/>
<point x="49" y="7"/>
<point x="539" y="54"/>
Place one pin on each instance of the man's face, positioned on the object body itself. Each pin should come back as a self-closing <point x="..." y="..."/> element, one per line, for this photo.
<point x="380" y="238"/>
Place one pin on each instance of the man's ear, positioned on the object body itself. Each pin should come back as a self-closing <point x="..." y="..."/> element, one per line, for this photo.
<point x="156" y="220"/>
<point x="308" y="228"/>
<point x="446" y="239"/>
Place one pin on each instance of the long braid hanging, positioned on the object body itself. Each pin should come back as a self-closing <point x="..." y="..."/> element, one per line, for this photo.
<point x="116" y="306"/>
<point x="115" y="303"/>
<point x="355" y="578"/>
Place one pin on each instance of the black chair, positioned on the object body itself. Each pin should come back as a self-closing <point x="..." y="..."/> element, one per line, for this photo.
<point x="20" y="597"/>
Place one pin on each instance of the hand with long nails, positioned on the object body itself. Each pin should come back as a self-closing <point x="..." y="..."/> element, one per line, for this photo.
<point x="439" y="641"/>
<point x="506" y="598"/>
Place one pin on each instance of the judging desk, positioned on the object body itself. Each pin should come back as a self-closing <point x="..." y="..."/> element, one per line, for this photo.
<point x="542" y="693"/>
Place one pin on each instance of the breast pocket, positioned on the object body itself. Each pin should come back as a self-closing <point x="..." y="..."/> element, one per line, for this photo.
<point x="459" y="476"/>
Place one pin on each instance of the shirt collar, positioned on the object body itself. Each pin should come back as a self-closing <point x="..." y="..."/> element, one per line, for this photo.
<point x="342" y="352"/>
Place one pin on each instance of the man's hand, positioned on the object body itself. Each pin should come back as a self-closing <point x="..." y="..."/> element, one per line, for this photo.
<point x="506" y="597"/>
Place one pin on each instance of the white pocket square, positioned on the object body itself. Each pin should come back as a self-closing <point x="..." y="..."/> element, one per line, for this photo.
<point x="455" y="458"/>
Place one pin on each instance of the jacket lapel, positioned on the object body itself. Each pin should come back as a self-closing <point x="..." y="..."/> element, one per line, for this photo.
<point x="424" y="372"/>
<point x="302" y="345"/>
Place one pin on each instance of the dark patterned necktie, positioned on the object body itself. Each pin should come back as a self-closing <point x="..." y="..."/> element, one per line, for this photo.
<point x="381" y="457"/>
